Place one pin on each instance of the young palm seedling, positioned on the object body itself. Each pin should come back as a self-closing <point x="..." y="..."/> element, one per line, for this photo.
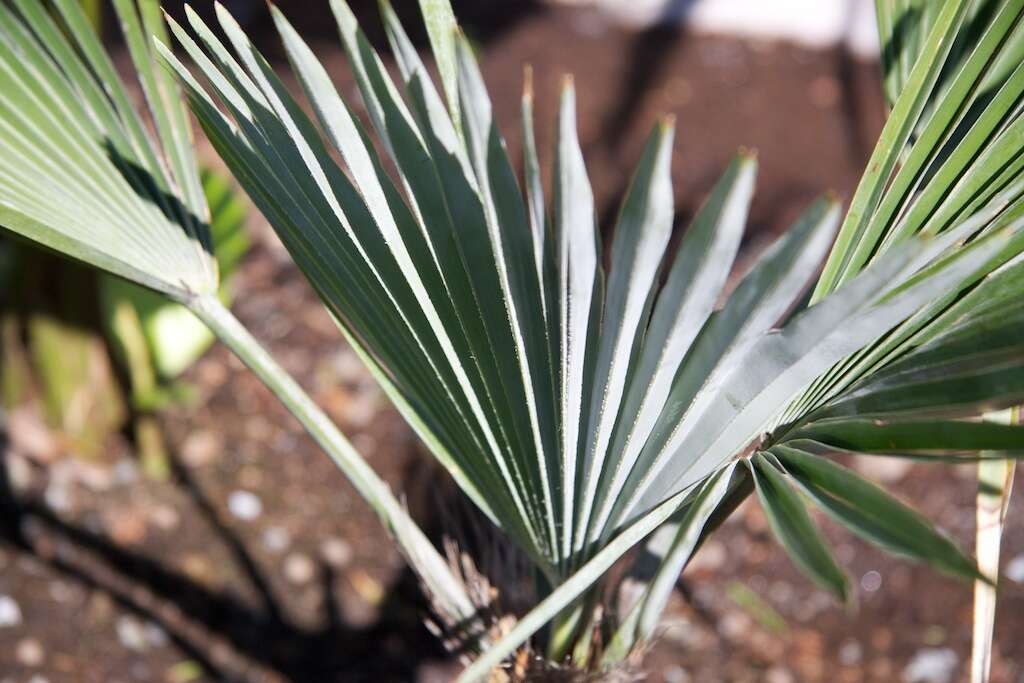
<point x="584" y="410"/>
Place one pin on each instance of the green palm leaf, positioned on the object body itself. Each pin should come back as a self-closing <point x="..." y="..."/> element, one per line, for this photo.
<point x="871" y="513"/>
<point x="78" y="173"/>
<point x="790" y="522"/>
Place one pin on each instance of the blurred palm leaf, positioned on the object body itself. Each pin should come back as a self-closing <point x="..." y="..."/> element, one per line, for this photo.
<point x="70" y="371"/>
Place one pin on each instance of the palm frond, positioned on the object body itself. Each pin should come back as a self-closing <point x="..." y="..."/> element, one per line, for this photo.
<point x="77" y="166"/>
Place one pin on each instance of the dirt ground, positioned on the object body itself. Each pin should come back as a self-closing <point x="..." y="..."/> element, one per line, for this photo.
<point x="257" y="562"/>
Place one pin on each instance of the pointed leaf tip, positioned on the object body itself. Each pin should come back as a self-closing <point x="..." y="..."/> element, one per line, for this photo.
<point x="191" y="14"/>
<point x="747" y="154"/>
<point x="873" y="514"/>
<point x="796" y="532"/>
<point x="224" y="15"/>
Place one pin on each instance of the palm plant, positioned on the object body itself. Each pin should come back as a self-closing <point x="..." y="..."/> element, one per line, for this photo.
<point x="585" y="410"/>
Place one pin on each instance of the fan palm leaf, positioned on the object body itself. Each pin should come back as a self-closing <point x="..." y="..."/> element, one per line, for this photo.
<point x="78" y="165"/>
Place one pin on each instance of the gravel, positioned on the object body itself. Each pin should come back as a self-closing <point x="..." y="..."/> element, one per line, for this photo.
<point x="10" y="612"/>
<point x="931" y="665"/>
<point x="245" y="506"/>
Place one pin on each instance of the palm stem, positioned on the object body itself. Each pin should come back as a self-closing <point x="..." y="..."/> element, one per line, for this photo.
<point x="418" y="550"/>
<point x="995" y="483"/>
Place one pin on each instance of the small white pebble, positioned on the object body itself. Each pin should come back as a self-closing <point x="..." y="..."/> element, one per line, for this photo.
<point x="712" y="557"/>
<point x="850" y="653"/>
<point x="10" y="612"/>
<point x="299" y="569"/>
<point x="244" y="505"/>
<point x="29" y="652"/>
<point x="676" y="674"/>
<point x="931" y="665"/>
<point x="681" y="632"/>
<point x="871" y="581"/>
<point x="1015" y="569"/>
<point x="347" y="367"/>
<point x="276" y="539"/>
<point x="165" y="517"/>
<point x="19" y="472"/>
<point x="58" y="496"/>
<point x="364" y="406"/>
<point x="778" y="675"/>
<point x="200" y="448"/>
<point x="131" y="633"/>
<point x="734" y="625"/>
<point x="885" y="470"/>
<point x="336" y="552"/>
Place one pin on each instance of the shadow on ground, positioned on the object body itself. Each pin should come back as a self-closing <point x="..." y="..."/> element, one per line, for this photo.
<point x="201" y="621"/>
